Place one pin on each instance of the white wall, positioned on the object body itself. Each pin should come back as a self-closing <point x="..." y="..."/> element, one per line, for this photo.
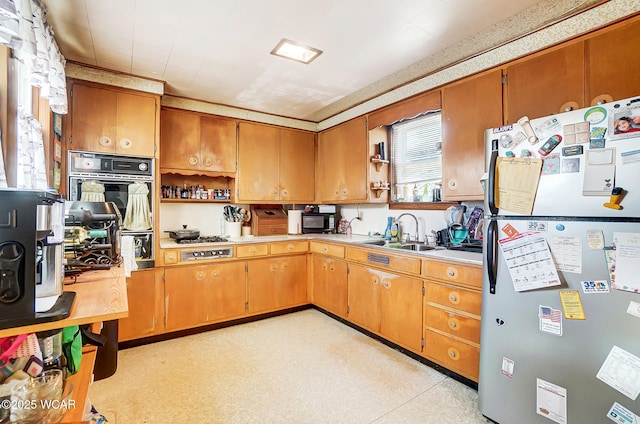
<point x="206" y="217"/>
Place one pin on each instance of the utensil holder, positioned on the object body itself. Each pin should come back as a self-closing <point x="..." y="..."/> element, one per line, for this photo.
<point x="234" y="229"/>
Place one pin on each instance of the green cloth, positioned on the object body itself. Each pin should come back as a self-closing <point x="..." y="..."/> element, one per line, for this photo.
<point x="72" y="347"/>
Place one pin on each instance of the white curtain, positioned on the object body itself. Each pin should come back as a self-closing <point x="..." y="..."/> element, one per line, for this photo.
<point x="32" y="172"/>
<point x="24" y="29"/>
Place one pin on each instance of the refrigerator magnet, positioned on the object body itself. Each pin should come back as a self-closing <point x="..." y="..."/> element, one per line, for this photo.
<point x="550" y="320"/>
<point x="621" y="415"/>
<point x="570" y="165"/>
<point x="591" y="287"/>
<point x="507" y="367"/>
<point x="595" y="239"/>
<point x="572" y="150"/>
<point x="572" y="304"/>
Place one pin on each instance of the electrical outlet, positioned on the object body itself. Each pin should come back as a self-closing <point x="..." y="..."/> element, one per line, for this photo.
<point x="361" y="215"/>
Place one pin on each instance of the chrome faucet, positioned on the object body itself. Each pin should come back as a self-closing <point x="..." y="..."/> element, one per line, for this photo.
<point x="415" y="219"/>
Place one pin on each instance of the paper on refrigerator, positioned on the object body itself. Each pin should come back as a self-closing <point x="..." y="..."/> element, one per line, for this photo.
<point x="551" y="401"/>
<point x="517" y="183"/>
<point x="627" y="256"/>
<point x="529" y="261"/>
<point x="621" y="370"/>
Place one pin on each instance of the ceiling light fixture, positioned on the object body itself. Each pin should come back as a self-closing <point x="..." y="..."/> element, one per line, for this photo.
<point x="295" y="51"/>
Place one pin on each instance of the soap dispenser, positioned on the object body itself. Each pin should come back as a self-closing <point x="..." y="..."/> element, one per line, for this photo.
<point x="387" y="231"/>
<point x="394" y="230"/>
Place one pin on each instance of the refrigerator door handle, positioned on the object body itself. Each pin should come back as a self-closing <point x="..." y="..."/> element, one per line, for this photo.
<point x="491" y="182"/>
<point x="492" y="244"/>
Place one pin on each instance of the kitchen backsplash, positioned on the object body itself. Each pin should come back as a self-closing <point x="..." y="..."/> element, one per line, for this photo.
<point x="208" y="218"/>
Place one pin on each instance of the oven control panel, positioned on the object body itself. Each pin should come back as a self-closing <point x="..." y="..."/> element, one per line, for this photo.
<point x="200" y="254"/>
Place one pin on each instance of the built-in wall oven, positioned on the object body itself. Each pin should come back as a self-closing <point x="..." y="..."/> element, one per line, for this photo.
<point x="121" y="179"/>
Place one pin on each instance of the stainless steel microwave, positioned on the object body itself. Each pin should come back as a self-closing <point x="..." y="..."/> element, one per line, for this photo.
<point x="315" y="222"/>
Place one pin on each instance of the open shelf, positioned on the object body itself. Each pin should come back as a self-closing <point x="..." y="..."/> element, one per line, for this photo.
<point x="378" y="163"/>
<point x="379" y="190"/>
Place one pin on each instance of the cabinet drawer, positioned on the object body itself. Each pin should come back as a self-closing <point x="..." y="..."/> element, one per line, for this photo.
<point x="457" y="325"/>
<point x="327" y="249"/>
<point x="376" y="257"/>
<point x="289" y="247"/>
<point x="452" y="354"/>
<point x="171" y="257"/>
<point x="454" y="298"/>
<point x="271" y="230"/>
<point x="453" y="273"/>
<point x="252" y="250"/>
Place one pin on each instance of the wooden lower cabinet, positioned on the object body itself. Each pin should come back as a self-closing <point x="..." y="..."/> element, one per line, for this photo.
<point x="330" y="284"/>
<point x="144" y="291"/>
<point x="387" y="304"/>
<point x="276" y="283"/>
<point x="452" y="328"/>
<point x="198" y="295"/>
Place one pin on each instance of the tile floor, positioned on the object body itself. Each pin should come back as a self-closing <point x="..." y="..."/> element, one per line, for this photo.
<point x="303" y="367"/>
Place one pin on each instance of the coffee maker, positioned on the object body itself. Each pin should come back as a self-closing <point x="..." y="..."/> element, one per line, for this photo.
<point x="31" y="258"/>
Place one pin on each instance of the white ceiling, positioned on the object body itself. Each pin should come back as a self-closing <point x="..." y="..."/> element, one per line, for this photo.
<point x="219" y="51"/>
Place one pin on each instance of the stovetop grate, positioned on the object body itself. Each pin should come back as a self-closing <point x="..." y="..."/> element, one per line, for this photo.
<point x="204" y="239"/>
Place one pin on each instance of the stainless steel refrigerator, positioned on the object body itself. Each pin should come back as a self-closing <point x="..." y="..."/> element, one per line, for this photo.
<point x="560" y="338"/>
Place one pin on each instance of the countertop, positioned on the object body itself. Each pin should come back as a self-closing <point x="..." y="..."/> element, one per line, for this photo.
<point x="100" y="296"/>
<point x="356" y="239"/>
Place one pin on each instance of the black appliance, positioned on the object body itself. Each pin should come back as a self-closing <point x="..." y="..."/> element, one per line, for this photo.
<point x="116" y="174"/>
<point x="316" y="222"/>
<point x="26" y="224"/>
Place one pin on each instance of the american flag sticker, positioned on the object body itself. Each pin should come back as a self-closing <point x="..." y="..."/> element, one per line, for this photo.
<point x="550" y="320"/>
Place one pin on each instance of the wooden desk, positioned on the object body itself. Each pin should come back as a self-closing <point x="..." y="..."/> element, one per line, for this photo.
<point x="100" y="296"/>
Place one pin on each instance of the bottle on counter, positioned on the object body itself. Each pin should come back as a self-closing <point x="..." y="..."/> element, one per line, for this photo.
<point x="395" y="230"/>
<point x="387" y="231"/>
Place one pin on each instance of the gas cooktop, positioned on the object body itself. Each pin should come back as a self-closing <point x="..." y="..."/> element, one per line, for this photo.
<point x="204" y="239"/>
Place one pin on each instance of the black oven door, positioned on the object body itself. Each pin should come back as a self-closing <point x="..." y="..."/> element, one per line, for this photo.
<point x="116" y="191"/>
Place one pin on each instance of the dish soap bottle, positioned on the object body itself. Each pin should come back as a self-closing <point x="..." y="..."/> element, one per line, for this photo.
<point x="387" y="231"/>
<point x="394" y="230"/>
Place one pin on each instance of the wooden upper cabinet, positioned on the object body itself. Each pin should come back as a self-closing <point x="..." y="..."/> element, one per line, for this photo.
<point x="259" y="162"/>
<point x="342" y="163"/>
<point x="106" y="120"/>
<point x="179" y="139"/>
<point x="192" y="142"/>
<point x="218" y="145"/>
<point x="469" y="107"/>
<point x="612" y="63"/>
<point x="297" y="165"/>
<point x="548" y="83"/>
<point x="275" y="164"/>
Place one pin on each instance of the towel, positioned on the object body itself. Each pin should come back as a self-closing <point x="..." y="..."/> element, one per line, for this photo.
<point x="127" y="250"/>
<point x="92" y="191"/>
<point x="137" y="217"/>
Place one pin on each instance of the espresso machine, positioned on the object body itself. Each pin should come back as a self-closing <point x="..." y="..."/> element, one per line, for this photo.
<point x="31" y="258"/>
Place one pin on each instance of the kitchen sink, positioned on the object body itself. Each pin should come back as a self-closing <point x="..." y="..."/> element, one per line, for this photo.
<point x="417" y="247"/>
<point x="379" y="242"/>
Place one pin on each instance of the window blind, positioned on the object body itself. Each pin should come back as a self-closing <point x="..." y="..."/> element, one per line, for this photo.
<point x="417" y="150"/>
